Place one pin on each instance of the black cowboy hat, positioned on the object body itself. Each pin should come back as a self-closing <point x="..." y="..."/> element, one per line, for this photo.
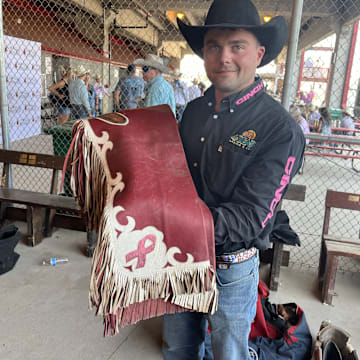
<point x="238" y="14"/>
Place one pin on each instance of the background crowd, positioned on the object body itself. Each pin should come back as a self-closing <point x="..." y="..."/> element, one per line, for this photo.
<point x="76" y="96"/>
<point x="319" y="120"/>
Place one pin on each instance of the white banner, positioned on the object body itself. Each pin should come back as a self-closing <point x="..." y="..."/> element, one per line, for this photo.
<point x="23" y="81"/>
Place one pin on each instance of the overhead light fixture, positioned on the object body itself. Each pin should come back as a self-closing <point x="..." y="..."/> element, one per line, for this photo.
<point x="267" y="18"/>
<point x="180" y="15"/>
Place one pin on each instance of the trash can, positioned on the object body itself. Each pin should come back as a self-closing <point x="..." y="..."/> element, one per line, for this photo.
<point x="336" y="114"/>
<point x="9" y="237"/>
<point x="61" y="141"/>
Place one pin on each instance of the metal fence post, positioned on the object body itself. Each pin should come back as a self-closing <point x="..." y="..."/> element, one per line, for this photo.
<point x="291" y="51"/>
<point x="3" y="98"/>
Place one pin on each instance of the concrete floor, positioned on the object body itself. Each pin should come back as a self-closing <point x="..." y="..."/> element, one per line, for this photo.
<point x="44" y="310"/>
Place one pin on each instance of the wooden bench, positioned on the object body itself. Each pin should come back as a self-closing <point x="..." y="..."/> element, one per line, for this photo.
<point x="276" y="256"/>
<point x="40" y="207"/>
<point x="334" y="247"/>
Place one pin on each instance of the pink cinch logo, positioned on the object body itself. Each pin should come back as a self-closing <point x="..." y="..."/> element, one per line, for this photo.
<point x="278" y="193"/>
<point x="247" y="96"/>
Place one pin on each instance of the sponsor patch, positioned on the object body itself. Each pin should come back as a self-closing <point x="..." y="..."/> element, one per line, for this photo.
<point x="246" y="140"/>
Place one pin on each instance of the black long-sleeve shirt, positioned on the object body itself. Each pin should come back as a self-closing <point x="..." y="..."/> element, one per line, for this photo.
<point x="241" y="160"/>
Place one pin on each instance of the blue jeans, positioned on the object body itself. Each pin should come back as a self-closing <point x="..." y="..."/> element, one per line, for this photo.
<point x="62" y="110"/>
<point x="184" y="333"/>
<point x="78" y="112"/>
<point x="99" y="110"/>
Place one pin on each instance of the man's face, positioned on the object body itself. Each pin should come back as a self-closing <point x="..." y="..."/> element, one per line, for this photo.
<point x="231" y="58"/>
<point x="150" y="74"/>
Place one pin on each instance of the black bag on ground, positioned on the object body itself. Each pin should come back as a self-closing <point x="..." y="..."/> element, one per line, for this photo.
<point x="9" y="237"/>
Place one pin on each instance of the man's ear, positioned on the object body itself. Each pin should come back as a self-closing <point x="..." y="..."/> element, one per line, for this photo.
<point x="260" y="54"/>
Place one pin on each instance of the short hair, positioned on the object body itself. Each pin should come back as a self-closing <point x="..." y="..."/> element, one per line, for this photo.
<point x="131" y="68"/>
<point x="294" y="111"/>
<point x="325" y="114"/>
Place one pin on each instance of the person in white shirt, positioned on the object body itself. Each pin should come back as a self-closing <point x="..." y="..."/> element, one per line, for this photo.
<point x="181" y="92"/>
<point x="194" y="91"/>
<point x="347" y="122"/>
<point x="313" y="118"/>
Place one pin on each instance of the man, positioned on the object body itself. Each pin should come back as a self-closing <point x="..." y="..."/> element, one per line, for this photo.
<point x="181" y="93"/>
<point x="194" y="90"/>
<point x="91" y="95"/>
<point x="158" y="90"/>
<point x="129" y="90"/>
<point x="79" y="97"/>
<point x="295" y="112"/>
<point x="347" y="122"/>
<point x="242" y="148"/>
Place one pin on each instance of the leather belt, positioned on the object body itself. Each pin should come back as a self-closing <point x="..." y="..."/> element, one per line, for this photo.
<point x="225" y="261"/>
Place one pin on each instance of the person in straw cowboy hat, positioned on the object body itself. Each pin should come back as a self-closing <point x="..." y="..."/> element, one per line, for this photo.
<point x="194" y="90"/>
<point x="79" y="97"/>
<point x="243" y="148"/>
<point x="347" y="121"/>
<point x="158" y="90"/>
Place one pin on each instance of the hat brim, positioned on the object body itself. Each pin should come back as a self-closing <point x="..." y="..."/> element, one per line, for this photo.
<point x="83" y="73"/>
<point x="144" y="62"/>
<point x="348" y="112"/>
<point x="271" y="35"/>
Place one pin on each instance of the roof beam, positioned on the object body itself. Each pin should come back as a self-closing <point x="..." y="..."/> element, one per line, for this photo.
<point x="318" y="31"/>
<point x="281" y="7"/>
<point x="192" y="19"/>
<point x="92" y="6"/>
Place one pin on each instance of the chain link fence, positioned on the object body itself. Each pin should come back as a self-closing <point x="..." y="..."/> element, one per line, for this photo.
<point x="42" y="38"/>
<point x="327" y="76"/>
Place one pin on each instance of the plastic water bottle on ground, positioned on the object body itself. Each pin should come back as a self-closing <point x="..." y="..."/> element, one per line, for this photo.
<point x="55" y="261"/>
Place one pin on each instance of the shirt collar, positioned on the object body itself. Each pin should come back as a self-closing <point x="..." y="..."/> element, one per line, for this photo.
<point x="234" y="100"/>
<point x="155" y="79"/>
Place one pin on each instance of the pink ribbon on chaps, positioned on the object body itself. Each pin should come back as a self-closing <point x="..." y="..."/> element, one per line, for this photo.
<point x="142" y="251"/>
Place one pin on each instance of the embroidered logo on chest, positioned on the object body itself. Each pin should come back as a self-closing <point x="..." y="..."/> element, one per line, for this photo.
<point x="245" y="140"/>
